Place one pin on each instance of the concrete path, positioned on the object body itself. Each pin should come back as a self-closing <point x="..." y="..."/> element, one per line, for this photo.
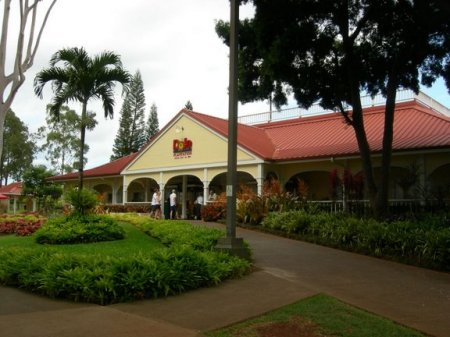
<point x="287" y="271"/>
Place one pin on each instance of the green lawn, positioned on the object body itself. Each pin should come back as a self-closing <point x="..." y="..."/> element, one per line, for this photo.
<point x="320" y="315"/>
<point x="135" y="242"/>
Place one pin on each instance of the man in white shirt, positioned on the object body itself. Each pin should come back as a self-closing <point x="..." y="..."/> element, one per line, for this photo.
<point x="173" y="204"/>
<point x="198" y="207"/>
<point x="156" y="205"/>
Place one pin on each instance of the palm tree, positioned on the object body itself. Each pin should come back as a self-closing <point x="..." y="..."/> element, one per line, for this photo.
<point x="81" y="78"/>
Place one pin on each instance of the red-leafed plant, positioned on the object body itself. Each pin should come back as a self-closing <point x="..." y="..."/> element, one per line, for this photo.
<point x="21" y="225"/>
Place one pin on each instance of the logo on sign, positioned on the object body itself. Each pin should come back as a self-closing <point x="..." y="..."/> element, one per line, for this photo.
<point x="182" y="148"/>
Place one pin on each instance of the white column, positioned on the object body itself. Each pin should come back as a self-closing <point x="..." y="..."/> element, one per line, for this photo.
<point x="163" y="198"/>
<point x="125" y="193"/>
<point x="183" y="201"/>
<point x="114" y="193"/>
<point x="205" y="186"/>
<point x="260" y="179"/>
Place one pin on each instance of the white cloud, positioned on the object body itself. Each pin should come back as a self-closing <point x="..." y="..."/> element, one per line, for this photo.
<point x="173" y="43"/>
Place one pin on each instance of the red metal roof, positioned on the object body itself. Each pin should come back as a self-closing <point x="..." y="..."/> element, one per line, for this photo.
<point x="12" y="189"/>
<point x="110" y="169"/>
<point x="415" y="127"/>
<point x="251" y="138"/>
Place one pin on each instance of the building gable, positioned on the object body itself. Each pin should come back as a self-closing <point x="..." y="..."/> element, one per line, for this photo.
<point x="185" y="142"/>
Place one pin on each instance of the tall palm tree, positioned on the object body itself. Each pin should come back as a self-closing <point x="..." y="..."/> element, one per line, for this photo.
<point x="77" y="77"/>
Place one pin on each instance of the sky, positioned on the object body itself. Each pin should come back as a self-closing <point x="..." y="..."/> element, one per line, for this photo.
<point x="172" y="43"/>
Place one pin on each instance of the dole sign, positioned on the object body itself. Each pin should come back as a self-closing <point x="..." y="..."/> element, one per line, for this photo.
<point x="182" y="148"/>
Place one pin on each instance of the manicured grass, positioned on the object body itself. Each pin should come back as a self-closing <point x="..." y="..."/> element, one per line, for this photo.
<point x="135" y="241"/>
<point x="321" y="315"/>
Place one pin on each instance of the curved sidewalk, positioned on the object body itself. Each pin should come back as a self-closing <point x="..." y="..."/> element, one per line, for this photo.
<point x="287" y="271"/>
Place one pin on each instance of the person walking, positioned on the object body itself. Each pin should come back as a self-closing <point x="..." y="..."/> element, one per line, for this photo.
<point x="198" y="204"/>
<point x="173" y="204"/>
<point x="156" y="204"/>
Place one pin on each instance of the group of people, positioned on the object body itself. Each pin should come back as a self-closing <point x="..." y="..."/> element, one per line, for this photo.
<point x="156" y="204"/>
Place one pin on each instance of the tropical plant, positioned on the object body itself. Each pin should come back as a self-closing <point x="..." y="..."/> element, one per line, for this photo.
<point x="82" y="202"/>
<point x="82" y="78"/>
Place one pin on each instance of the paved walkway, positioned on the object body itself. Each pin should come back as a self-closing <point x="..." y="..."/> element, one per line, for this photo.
<point x="287" y="271"/>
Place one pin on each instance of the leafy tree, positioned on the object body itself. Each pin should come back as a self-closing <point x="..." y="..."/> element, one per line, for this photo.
<point x="37" y="185"/>
<point x="82" y="78"/>
<point x="332" y="51"/>
<point x="188" y="105"/>
<point x="152" y="122"/>
<point x="28" y="37"/>
<point x="18" y="149"/>
<point x="62" y="144"/>
<point x="131" y="135"/>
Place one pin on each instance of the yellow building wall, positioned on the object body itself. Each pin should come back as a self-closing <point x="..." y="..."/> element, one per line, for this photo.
<point x="207" y="148"/>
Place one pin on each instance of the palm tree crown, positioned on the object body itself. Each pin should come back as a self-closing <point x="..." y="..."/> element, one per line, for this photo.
<point x="82" y="78"/>
<point x="77" y="77"/>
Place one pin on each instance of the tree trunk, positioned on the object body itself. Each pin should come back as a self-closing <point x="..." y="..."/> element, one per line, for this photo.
<point x="82" y="140"/>
<point x="388" y="135"/>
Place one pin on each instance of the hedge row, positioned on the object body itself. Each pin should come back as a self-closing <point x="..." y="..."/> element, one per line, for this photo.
<point x="174" y="233"/>
<point x="425" y="243"/>
<point x="108" y="280"/>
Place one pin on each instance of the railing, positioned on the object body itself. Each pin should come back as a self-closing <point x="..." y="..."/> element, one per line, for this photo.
<point x="366" y="101"/>
<point x="396" y="206"/>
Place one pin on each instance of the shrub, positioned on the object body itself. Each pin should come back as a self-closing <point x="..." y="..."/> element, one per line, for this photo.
<point x="77" y="229"/>
<point x="423" y="243"/>
<point x="108" y="280"/>
<point x="21" y="225"/>
<point x="213" y="211"/>
<point x="251" y="208"/>
<point x="83" y="201"/>
<point x="105" y="209"/>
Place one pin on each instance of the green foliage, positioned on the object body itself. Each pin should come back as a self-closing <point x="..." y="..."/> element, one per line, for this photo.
<point x="37" y="185"/>
<point x="78" y="77"/>
<point x="176" y="233"/>
<point x="333" y="52"/>
<point x="60" y="271"/>
<point x="62" y="144"/>
<point x="18" y="149"/>
<point x="118" y="208"/>
<point x="152" y="122"/>
<point x="79" y="229"/>
<point x="423" y="243"/>
<point x="82" y="201"/>
<point x="131" y="135"/>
